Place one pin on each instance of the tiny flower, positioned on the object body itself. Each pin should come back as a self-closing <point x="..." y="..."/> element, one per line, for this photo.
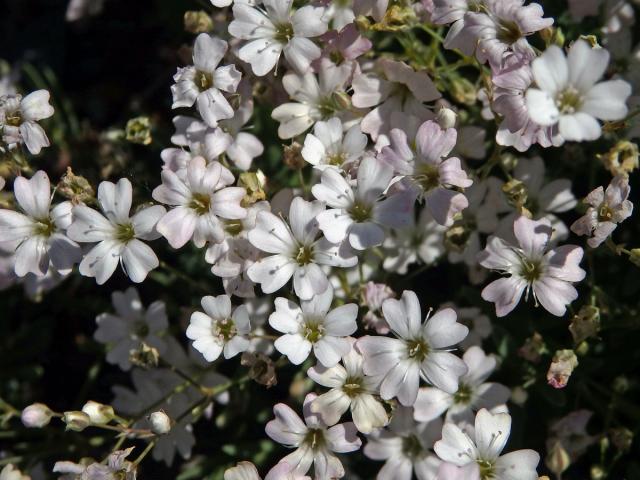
<point x="350" y="390"/>
<point x="328" y="145"/>
<point x="38" y="234"/>
<point x="484" y="447"/>
<point x="606" y="209"/>
<point x="568" y="94"/>
<point x="201" y="201"/>
<point x="19" y="119"/>
<point x="419" y="350"/>
<point x="118" y="236"/>
<point x="427" y="169"/>
<point x="474" y="392"/>
<point x="160" y="422"/>
<point x="219" y="330"/>
<point x="296" y="251"/>
<point x="276" y="30"/>
<point x="315" y="443"/>
<point x="359" y="214"/>
<point x="37" y="415"/>
<point x="131" y="327"/>
<point x="202" y="83"/>
<point x="314" y="325"/>
<point x="532" y="266"/>
<point x="406" y="447"/>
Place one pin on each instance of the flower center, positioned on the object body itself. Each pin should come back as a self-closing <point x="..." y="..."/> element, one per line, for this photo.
<point x="417" y="349"/>
<point x="487" y="471"/>
<point x="314" y="438"/>
<point x="224" y="329"/>
<point x="233" y="227"/>
<point x="336" y="159"/>
<point x="353" y="387"/>
<point x="569" y="100"/>
<point x="44" y="227"/>
<point x="428" y="177"/>
<point x="140" y="329"/>
<point x="125" y="232"/>
<point x="463" y="395"/>
<point x="411" y="446"/>
<point x="530" y="270"/>
<point x="313" y="331"/>
<point x="284" y="32"/>
<point x="605" y="213"/>
<point x="456" y="238"/>
<point x="203" y="80"/>
<point x="360" y="212"/>
<point x="13" y="119"/>
<point x="200" y="203"/>
<point x="304" y="255"/>
<point x="508" y="31"/>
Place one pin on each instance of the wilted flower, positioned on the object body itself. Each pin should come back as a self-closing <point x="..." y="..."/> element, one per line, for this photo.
<point x="561" y="368"/>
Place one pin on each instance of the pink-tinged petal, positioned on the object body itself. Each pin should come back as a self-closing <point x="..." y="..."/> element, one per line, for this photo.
<point x="335" y="255"/>
<point x="443" y="369"/>
<point x="138" y="259"/>
<point x="404" y="316"/>
<point x="365" y="235"/>
<point x="287" y="428"/>
<point x="380" y="353"/>
<point x="226" y="203"/>
<point x="177" y="226"/>
<point x="396" y="211"/>
<point x="329" y="350"/>
<point x="449" y="471"/>
<point x="341" y="321"/>
<point x="518" y="465"/>
<point x="34" y="195"/>
<point x="396" y="468"/>
<point x="430" y="404"/>
<point x="434" y="143"/>
<point x="402" y="381"/>
<point x="334" y="224"/>
<point x="492" y="432"/>
<point x="300" y="52"/>
<point x="533" y="235"/>
<point x="554" y="295"/>
<point x="89" y="225"/>
<point x="563" y="263"/>
<point x="309" y="280"/>
<point x="455" y="446"/>
<point x="451" y="173"/>
<point x="442" y="329"/>
<point x="343" y="438"/>
<point x="444" y="204"/>
<point x="271" y="234"/>
<point x="294" y="347"/>
<point x="334" y="189"/>
<point x="302" y="217"/>
<point x="505" y="293"/>
<point x="498" y="255"/>
<point x="173" y="190"/>
<point x="272" y="272"/>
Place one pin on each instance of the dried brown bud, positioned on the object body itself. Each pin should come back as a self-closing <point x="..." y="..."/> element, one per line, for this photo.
<point x="516" y="193"/>
<point x="293" y="156"/>
<point x="562" y="366"/>
<point x="585" y="324"/>
<point x="76" y="188"/>
<point x="144" y="357"/>
<point x="456" y="237"/>
<point x="197" y="21"/>
<point x="533" y="348"/>
<point x="254" y="183"/>
<point x="622" y="159"/>
<point x="261" y="368"/>
<point x="138" y="130"/>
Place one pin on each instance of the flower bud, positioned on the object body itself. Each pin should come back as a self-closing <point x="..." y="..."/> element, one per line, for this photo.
<point x="621" y="159"/>
<point x="558" y="459"/>
<point x="37" y="415"/>
<point x="254" y="183"/>
<point x="519" y="396"/>
<point x="261" y="368"/>
<point x="634" y="257"/>
<point x="446" y="118"/>
<point x="197" y="21"/>
<point x="598" y="473"/>
<point x="76" y="421"/>
<point x="160" y="422"/>
<point x="562" y="366"/>
<point x="585" y="324"/>
<point x="145" y="356"/>
<point x="292" y="156"/>
<point x="138" y="130"/>
<point x="516" y="192"/>
<point x="75" y="187"/>
<point x="98" y="413"/>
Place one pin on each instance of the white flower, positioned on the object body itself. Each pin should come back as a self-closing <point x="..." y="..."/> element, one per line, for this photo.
<point x="568" y="93"/>
<point x="276" y="30"/>
<point x="406" y="447"/>
<point x="202" y="83"/>
<point x="130" y="326"/>
<point x="248" y="471"/>
<point x="473" y="392"/>
<point x="420" y="350"/>
<point x="484" y="448"/>
<point x="532" y="267"/>
<point x="359" y="214"/>
<point x="314" y="442"/>
<point x="315" y="99"/>
<point x="218" y="330"/>
<point x="350" y="390"/>
<point x="297" y="252"/>
<point x="37" y="235"/>
<point x="199" y="199"/>
<point x="314" y="325"/>
<point x="118" y="235"/>
<point x="19" y="119"/>
<point x="330" y="146"/>
<point x="9" y="472"/>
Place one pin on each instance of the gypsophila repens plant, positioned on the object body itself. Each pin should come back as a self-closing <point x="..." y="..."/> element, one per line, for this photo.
<point x="321" y="239"/>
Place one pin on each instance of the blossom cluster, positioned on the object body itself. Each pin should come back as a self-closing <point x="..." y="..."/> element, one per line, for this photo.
<point x="430" y="154"/>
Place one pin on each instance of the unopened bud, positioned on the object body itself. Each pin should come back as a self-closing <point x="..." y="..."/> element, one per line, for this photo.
<point x="516" y="192"/>
<point x="261" y="368"/>
<point x="446" y="118"/>
<point x="293" y="156"/>
<point x="76" y="421"/>
<point x="75" y="187"/>
<point x="160" y="423"/>
<point x="621" y="384"/>
<point x="553" y="36"/>
<point x="37" y="415"/>
<point x="197" y="21"/>
<point x="562" y="366"/>
<point x="634" y="256"/>
<point x="145" y="356"/>
<point x="138" y="130"/>
<point x="519" y="396"/>
<point x="585" y="324"/>
<point x="98" y="413"/>
<point x="558" y="459"/>
<point x="598" y="473"/>
<point x="508" y="161"/>
<point x="254" y="183"/>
